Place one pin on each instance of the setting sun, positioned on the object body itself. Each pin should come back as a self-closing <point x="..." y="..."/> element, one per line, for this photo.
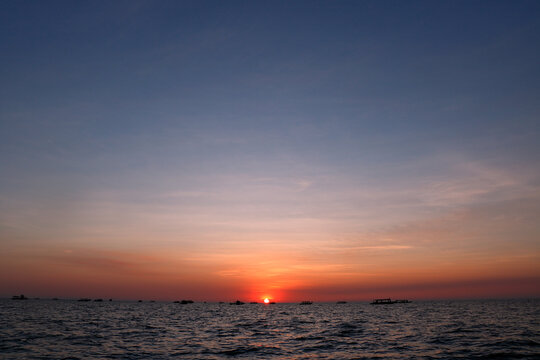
<point x="266" y="301"/>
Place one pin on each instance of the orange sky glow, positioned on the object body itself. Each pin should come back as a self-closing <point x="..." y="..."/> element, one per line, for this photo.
<point x="294" y="151"/>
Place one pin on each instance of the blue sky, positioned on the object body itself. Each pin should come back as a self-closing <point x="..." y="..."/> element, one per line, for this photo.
<point x="140" y="124"/>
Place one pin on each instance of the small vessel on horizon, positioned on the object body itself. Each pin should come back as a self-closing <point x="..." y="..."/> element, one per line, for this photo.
<point x="306" y="303"/>
<point x="389" y="301"/>
<point x="19" y="297"/>
<point x="237" y="302"/>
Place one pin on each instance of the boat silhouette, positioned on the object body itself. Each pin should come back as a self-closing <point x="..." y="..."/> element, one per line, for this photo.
<point x="389" y="301"/>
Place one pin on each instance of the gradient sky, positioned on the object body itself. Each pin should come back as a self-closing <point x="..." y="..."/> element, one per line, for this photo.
<point x="323" y="150"/>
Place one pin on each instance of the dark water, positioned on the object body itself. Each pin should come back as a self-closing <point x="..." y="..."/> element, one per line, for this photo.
<point x="46" y="329"/>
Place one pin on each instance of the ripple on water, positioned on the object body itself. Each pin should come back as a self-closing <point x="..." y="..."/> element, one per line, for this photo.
<point x="124" y="330"/>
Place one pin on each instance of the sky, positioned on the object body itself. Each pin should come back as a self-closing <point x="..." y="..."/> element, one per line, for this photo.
<point x="295" y="150"/>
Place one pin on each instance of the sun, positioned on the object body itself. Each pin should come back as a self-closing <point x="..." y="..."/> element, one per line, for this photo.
<point x="266" y="301"/>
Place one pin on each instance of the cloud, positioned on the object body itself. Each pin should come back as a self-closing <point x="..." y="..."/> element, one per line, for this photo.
<point x="471" y="182"/>
<point x="382" y="247"/>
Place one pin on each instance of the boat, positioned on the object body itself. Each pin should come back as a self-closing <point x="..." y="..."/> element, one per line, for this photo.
<point x="306" y="303"/>
<point x="341" y="302"/>
<point x="184" y="302"/>
<point x="84" y="299"/>
<point x="382" y="301"/>
<point x="253" y="302"/>
<point x="237" y="302"/>
<point x="19" y="297"/>
<point x="389" y="301"/>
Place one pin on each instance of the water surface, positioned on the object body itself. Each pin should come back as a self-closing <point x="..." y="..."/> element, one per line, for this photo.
<point x="46" y="329"/>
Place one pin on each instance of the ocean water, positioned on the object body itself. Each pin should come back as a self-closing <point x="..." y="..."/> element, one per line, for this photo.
<point x="491" y="329"/>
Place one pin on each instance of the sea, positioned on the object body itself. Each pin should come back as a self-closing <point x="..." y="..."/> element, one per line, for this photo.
<point x="68" y="329"/>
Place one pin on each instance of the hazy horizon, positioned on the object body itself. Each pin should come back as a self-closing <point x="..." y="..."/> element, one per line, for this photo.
<point x="258" y="301"/>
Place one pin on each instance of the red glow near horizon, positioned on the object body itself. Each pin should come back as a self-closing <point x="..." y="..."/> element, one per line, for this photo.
<point x="153" y="275"/>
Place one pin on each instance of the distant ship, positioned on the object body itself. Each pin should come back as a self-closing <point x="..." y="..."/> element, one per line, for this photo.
<point x="19" y="297"/>
<point x="237" y="302"/>
<point x="184" y="302"/>
<point x="388" y="301"/>
<point x="306" y="303"/>
<point x="341" y="302"/>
